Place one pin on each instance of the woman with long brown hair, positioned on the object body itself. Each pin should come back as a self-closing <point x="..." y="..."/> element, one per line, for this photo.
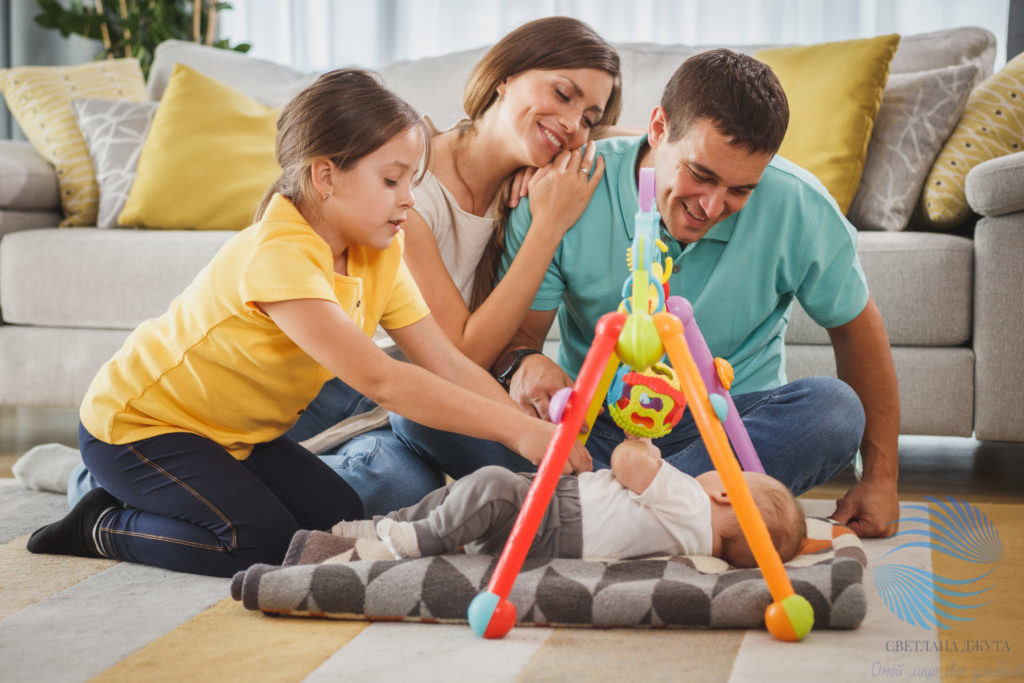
<point x="534" y="101"/>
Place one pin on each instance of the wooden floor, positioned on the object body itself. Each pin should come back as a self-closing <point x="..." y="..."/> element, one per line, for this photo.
<point x="979" y="472"/>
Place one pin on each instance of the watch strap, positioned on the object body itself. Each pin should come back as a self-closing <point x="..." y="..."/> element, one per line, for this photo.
<point x="507" y="366"/>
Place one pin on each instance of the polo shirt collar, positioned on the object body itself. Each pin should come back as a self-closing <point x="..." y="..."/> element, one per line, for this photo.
<point x="629" y="199"/>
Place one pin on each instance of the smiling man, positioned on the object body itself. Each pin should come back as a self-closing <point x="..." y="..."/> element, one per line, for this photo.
<point x="748" y="233"/>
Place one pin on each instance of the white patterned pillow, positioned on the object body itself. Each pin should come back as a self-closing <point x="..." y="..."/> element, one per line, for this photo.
<point x="919" y="111"/>
<point x="114" y="132"/>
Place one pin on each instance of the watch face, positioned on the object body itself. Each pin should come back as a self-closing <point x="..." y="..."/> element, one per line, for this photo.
<point x="508" y="365"/>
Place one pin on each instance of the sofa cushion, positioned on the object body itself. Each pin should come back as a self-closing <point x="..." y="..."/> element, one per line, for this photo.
<point x="646" y="68"/>
<point x="114" y="131"/>
<point x="992" y="125"/>
<point x="434" y="85"/>
<point x="98" y="278"/>
<point x="12" y="220"/>
<point x="27" y="181"/>
<point x="52" y="367"/>
<point x="834" y="91"/>
<point x="266" y="82"/>
<point x="949" y="47"/>
<point x="922" y="284"/>
<point x="204" y="132"/>
<point x="937" y="389"/>
<point x="919" y="111"/>
<point x="40" y="99"/>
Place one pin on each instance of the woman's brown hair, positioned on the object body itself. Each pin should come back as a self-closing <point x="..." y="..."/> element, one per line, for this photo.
<point x="344" y="115"/>
<point x="549" y="43"/>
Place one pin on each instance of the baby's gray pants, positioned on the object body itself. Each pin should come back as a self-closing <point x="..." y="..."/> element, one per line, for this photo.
<point x="479" y="510"/>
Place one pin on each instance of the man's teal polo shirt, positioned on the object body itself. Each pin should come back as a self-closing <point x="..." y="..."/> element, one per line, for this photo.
<point x="789" y="241"/>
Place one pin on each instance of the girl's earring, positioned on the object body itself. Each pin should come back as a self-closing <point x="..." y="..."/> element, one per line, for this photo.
<point x="326" y="196"/>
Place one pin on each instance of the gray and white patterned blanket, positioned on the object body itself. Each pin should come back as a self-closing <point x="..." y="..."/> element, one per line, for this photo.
<point x="346" y="578"/>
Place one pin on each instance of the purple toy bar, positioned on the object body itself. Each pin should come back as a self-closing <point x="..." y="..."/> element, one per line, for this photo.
<point x="745" y="453"/>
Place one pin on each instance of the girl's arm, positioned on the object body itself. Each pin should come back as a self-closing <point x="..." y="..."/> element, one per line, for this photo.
<point x="558" y="195"/>
<point x="425" y="344"/>
<point x="321" y="329"/>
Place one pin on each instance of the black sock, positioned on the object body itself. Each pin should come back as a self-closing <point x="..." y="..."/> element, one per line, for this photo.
<point x="73" y="534"/>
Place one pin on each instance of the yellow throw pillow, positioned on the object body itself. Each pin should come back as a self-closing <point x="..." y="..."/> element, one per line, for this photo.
<point x="40" y="97"/>
<point x="992" y="126"/>
<point x="834" y="92"/>
<point x="207" y="160"/>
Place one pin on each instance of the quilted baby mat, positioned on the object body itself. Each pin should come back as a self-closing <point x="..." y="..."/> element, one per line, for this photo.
<point x="345" y="578"/>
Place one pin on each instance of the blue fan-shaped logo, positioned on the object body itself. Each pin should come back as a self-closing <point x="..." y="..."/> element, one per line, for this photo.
<point x="923" y="598"/>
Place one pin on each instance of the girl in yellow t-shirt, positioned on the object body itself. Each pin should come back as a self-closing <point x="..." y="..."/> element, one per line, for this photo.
<point x="183" y="427"/>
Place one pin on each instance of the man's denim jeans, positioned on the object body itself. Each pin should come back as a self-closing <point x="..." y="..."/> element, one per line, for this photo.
<point x="805" y="433"/>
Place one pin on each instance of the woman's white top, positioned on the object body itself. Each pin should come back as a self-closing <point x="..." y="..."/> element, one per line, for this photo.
<point x="461" y="236"/>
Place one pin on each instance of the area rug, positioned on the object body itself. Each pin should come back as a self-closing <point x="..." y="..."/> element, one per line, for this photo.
<point x="346" y="578"/>
<point x="74" y="619"/>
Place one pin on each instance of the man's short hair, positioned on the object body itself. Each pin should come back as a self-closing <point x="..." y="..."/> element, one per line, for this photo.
<point x="741" y="96"/>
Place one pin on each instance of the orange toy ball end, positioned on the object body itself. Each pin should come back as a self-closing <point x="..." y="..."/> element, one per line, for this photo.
<point x="789" y="619"/>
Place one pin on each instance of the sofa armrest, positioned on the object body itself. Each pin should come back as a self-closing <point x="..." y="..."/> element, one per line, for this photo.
<point x="996" y="187"/>
<point x="27" y="181"/>
<point x="998" y="328"/>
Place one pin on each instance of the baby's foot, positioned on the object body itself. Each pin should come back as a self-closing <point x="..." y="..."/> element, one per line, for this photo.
<point x="399" y="537"/>
<point x="360" y="528"/>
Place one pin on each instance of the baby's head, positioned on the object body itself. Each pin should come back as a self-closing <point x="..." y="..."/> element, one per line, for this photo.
<point x="781" y="512"/>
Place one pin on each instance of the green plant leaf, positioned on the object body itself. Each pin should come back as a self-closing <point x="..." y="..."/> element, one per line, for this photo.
<point x="146" y="24"/>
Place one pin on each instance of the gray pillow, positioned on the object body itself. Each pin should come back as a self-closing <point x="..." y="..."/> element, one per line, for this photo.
<point x="266" y="82"/>
<point x="948" y="47"/>
<point x="114" y="131"/>
<point x="919" y="111"/>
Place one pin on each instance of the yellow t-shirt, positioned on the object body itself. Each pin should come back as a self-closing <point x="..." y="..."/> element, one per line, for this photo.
<point x="215" y="365"/>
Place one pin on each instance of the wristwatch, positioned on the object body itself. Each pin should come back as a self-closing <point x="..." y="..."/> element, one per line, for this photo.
<point x="508" y="364"/>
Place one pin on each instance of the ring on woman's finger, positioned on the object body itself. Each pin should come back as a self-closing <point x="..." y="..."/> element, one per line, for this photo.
<point x="584" y="170"/>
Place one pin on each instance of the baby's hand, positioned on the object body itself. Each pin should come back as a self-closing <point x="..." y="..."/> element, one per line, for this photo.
<point x="648" y="445"/>
<point x="635" y="463"/>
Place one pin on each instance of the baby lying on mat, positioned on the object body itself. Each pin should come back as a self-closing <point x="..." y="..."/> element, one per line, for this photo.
<point x="640" y="507"/>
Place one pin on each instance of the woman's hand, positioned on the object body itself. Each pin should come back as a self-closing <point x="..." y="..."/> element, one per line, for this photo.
<point x="560" y="192"/>
<point x="533" y="444"/>
<point x="520" y="185"/>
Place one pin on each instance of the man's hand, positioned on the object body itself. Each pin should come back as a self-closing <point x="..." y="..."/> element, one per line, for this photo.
<point x="870" y="508"/>
<point x="536" y="380"/>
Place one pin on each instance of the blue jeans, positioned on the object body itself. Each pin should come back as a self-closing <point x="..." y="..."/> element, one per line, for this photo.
<point x="385" y="472"/>
<point x="380" y="468"/>
<point x="190" y="506"/>
<point x="805" y="433"/>
<point x="386" y="475"/>
<point x="336" y="401"/>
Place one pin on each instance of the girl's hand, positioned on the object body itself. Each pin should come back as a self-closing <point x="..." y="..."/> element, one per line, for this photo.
<point x="533" y="444"/>
<point x="560" y="191"/>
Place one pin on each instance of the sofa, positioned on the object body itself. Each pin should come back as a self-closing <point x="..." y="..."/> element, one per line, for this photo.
<point x="951" y="299"/>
